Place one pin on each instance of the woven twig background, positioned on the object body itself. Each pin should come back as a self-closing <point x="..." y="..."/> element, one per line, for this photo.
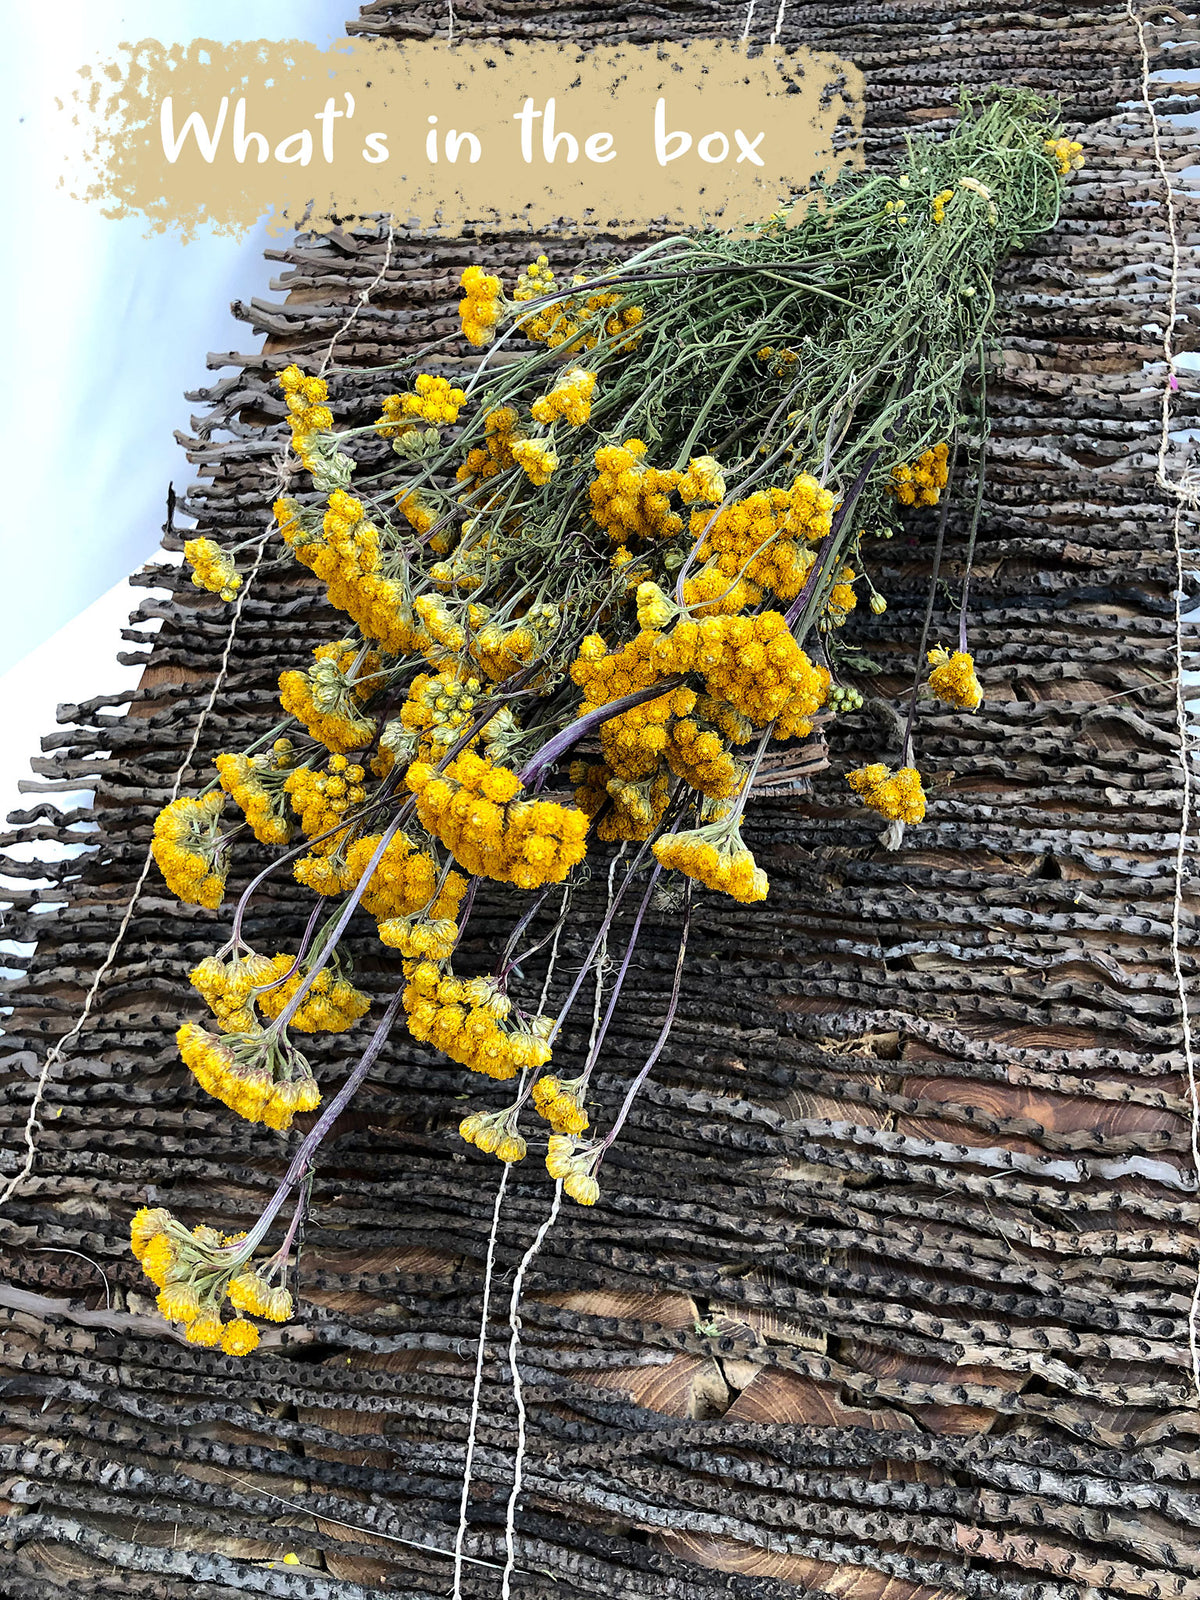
<point x="888" y="1291"/>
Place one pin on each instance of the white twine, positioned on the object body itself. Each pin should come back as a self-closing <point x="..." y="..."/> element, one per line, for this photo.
<point x="514" y="1319"/>
<point x="365" y="296"/>
<point x="489" y="1270"/>
<point x="553" y="961"/>
<point x="775" y="31"/>
<point x="480" y="1353"/>
<point x="1185" y="492"/>
<point x="56" y="1052"/>
<point x="514" y="1342"/>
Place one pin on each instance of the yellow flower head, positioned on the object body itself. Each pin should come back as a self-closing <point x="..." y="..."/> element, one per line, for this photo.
<point x="188" y="849"/>
<point x="239" y="1337"/>
<point x="899" y="796"/>
<point x="953" y="679"/>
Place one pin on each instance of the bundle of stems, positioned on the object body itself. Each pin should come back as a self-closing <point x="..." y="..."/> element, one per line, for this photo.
<point x="602" y="567"/>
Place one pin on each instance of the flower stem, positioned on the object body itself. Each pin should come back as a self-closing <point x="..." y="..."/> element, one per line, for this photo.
<point x="664" y="1034"/>
<point x="301" y="1161"/>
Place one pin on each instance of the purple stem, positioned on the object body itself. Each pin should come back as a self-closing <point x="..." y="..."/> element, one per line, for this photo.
<point x="505" y="965"/>
<point x="301" y="1160"/>
<point x="468" y="906"/>
<point x="574" y="731"/>
<point x="598" y="940"/>
<point x="300" y="954"/>
<point x="810" y="583"/>
<point x="529" y="953"/>
<point x="285" y="1249"/>
<point x="348" y="910"/>
<point x="663" y="1036"/>
<point x="594" y="1052"/>
<point x="306" y="844"/>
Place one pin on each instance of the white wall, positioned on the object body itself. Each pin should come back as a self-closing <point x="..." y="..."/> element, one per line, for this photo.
<point x="107" y="327"/>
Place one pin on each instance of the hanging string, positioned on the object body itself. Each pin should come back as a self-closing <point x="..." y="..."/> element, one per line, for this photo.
<point x="480" y="1353"/>
<point x="282" y="470"/>
<point x="1184" y="491"/>
<point x="514" y="1319"/>
<point x="514" y="1342"/>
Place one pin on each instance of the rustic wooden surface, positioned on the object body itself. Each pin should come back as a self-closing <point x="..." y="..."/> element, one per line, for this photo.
<point x="887" y="1294"/>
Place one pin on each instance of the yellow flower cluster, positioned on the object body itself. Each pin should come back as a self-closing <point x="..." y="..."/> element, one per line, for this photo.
<point x="937" y="208"/>
<point x="495" y="1134"/>
<point x="257" y="1077"/>
<point x="473" y="808"/>
<point x="322" y="799"/>
<point x="630" y="499"/>
<point x="755" y="673"/>
<point x="496" y="453"/>
<point x="326" y="874"/>
<point x="326" y="699"/>
<point x="782" y="363"/>
<point x="536" y="280"/>
<point x="469" y="1019"/>
<point x="569" y="401"/>
<point x="194" y="1271"/>
<point x="438" y="709"/>
<point x="570" y="323"/>
<point x="636" y="808"/>
<point x="754" y="665"/>
<point x="447" y="636"/>
<point x="953" y="679"/>
<point x="416" y="511"/>
<point x="307" y="412"/>
<point x="502" y="651"/>
<point x="420" y="938"/>
<point x="703" y="482"/>
<point x="696" y="753"/>
<point x="345" y="556"/>
<point x="633" y="741"/>
<point x="898" y="796"/>
<point x="256" y="785"/>
<point x="252" y="1293"/>
<point x="921" y="483"/>
<point x="1068" y="153"/>
<point x="332" y="1004"/>
<point x="188" y="851"/>
<point x="405" y="881"/>
<point x="842" y="599"/>
<point x="434" y="401"/>
<point x="561" y="1103"/>
<point x="765" y="537"/>
<point x="227" y="988"/>
<point x="536" y="459"/>
<point x="711" y="594"/>
<point x="719" y="860"/>
<point x="480" y="306"/>
<point x="212" y="568"/>
<point x="576" y="1167"/>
